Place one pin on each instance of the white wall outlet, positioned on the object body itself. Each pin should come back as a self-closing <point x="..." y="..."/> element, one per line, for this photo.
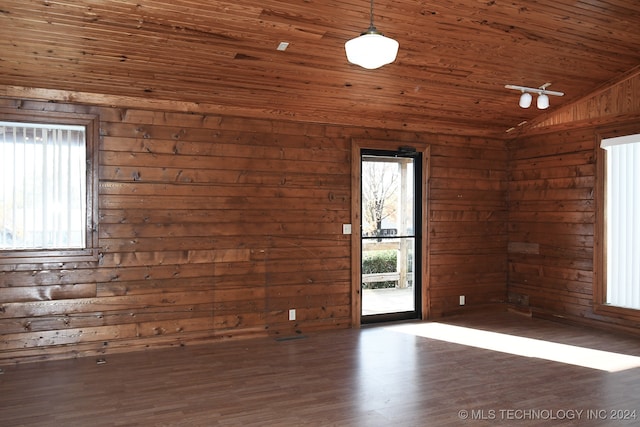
<point x="462" y="300"/>
<point x="292" y="314"/>
<point x="346" y="228"/>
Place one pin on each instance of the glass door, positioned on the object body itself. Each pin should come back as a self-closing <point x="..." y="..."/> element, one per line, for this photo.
<point x="391" y="214"/>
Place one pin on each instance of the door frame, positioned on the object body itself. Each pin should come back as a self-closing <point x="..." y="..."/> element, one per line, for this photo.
<point x="356" y="222"/>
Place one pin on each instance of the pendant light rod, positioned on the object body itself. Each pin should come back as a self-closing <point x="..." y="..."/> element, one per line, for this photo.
<point x="371" y="26"/>
<point x="541" y="90"/>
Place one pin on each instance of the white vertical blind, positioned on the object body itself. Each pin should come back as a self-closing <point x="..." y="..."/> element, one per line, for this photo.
<point x="623" y="221"/>
<point x="43" y="188"/>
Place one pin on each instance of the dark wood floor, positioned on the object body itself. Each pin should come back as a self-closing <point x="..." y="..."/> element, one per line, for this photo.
<point x="377" y="376"/>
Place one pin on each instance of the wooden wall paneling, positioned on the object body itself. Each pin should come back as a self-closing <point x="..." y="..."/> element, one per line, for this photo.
<point x="214" y="226"/>
<point x="553" y="206"/>
<point x="209" y="227"/>
<point x="289" y="184"/>
<point x="47" y="293"/>
<point x="467" y="228"/>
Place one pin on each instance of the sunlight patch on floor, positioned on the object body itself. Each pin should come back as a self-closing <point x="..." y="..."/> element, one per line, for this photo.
<point x="521" y="346"/>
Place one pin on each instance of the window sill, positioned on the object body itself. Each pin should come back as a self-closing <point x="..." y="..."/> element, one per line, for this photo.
<point x="617" y="312"/>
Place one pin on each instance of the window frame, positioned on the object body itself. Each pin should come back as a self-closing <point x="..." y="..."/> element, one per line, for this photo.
<point x="600" y="306"/>
<point x="90" y="252"/>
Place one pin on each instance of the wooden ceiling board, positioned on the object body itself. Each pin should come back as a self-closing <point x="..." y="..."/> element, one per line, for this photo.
<point x="454" y="59"/>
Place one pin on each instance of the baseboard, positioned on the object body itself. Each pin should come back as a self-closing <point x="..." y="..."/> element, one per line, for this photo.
<point x="475" y="309"/>
<point x="585" y="322"/>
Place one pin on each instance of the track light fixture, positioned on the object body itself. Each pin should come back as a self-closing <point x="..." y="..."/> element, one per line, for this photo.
<point x="543" y="99"/>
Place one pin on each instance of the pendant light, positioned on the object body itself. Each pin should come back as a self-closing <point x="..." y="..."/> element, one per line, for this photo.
<point x="371" y="49"/>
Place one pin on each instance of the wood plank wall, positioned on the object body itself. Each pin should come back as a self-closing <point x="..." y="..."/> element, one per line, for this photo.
<point x="214" y="226"/>
<point x="467" y="224"/>
<point x="552" y="205"/>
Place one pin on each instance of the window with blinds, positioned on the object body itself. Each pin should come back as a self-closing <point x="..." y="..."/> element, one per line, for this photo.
<point x="43" y="190"/>
<point x="622" y="226"/>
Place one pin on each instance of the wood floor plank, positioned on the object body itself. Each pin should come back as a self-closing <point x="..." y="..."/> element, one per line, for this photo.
<point x="385" y="375"/>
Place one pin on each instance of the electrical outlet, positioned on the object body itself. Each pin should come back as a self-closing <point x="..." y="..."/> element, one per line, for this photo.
<point x="292" y="314"/>
<point x="462" y="300"/>
<point x="346" y="228"/>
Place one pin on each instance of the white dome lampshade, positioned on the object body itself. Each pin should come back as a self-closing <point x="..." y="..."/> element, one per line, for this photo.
<point x="525" y="100"/>
<point x="543" y="101"/>
<point x="371" y="49"/>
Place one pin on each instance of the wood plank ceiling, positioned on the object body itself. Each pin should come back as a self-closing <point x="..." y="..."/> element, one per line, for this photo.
<point x="455" y="56"/>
